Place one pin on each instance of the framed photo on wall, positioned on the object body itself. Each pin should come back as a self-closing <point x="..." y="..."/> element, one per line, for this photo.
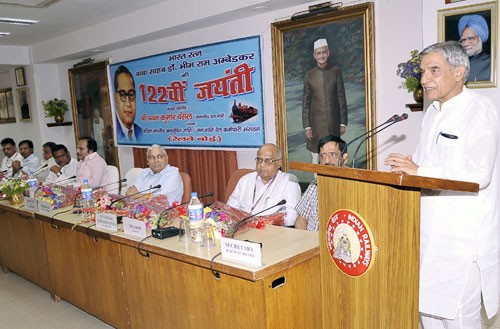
<point x="20" y="78"/>
<point x="91" y="106"/>
<point x="476" y="28"/>
<point x="349" y="34"/>
<point x="23" y="101"/>
<point x="7" y="114"/>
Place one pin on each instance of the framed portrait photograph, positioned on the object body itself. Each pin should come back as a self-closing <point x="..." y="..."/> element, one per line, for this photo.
<point x="346" y="40"/>
<point x="20" y="78"/>
<point x="452" y="1"/>
<point x="91" y="106"/>
<point x="23" y="101"/>
<point x="475" y="27"/>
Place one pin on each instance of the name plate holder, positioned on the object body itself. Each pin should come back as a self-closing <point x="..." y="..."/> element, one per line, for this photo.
<point x="31" y="204"/>
<point x="135" y="228"/>
<point x="106" y="221"/>
<point x="45" y="208"/>
<point x="243" y="252"/>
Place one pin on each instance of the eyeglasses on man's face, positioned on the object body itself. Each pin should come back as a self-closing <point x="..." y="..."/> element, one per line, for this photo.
<point x="267" y="161"/>
<point x="468" y="39"/>
<point x="123" y="94"/>
<point x="325" y="155"/>
<point x="156" y="157"/>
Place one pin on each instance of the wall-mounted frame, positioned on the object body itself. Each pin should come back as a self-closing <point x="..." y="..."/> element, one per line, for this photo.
<point x="91" y="106"/>
<point x="7" y="113"/>
<point x="23" y="101"/>
<point x="350" y="35"/>
<point x="452" y="1"/>
<point x="484" y="64"/>
<point x="20" y="78"/>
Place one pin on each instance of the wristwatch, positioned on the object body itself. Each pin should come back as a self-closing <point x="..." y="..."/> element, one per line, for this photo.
<point x="58" y="174"/>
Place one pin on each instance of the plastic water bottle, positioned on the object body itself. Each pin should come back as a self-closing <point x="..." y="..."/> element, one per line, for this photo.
<point x="32" y="184"/>
<point x="87" y="200"/>
<point x="195" y="213"/>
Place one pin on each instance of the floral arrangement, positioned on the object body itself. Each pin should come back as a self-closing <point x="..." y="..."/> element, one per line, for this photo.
<point x="11" y="186"/>
<point x="410" y="71"/>
<point x="55" y="107"/>
<point x="58" y="196"/>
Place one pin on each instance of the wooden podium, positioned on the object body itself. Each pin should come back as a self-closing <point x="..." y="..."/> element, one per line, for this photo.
<point x="386" y="294"/>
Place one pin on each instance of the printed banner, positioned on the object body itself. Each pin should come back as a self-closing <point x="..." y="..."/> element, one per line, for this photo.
<point x="206" y="96"/>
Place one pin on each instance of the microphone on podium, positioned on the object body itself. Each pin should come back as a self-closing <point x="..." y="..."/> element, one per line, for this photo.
<point x="136" y="193"/>
<point x="237" y="226"/>
<point x="399" y="118"/>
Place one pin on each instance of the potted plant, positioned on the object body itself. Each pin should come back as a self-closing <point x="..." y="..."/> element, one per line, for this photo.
<point x="410" y="72"/>
<point x="55" y="108"/>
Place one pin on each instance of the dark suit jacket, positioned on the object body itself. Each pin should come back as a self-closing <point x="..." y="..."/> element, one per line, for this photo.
<point x="122" y="137"/>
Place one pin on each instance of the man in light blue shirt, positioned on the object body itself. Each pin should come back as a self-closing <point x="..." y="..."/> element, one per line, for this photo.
<point x="159" y="172"/>
<point x="31" y="162"/>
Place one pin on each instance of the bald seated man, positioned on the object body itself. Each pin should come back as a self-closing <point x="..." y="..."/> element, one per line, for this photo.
<point x="267" y="186"/>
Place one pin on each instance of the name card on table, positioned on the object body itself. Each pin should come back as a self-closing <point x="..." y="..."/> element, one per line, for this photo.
<point x="134" y="227"/>
<point x="45" y="208"/>
<point x="106" y="221"/>
<point x="30" y="204"/>
<point x="238" y="251"/>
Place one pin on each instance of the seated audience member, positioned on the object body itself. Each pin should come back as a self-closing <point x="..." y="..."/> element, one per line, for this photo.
<point x="12" y="161"/>
<point x="329" y="149"/>
<point x="47" y="160"/>
<point x="30" y="161"/>
<point x="159" y="172"/>
<point x="64" y="168"/>
<point x="267" y="186"/>
<point x="90" y="164"/>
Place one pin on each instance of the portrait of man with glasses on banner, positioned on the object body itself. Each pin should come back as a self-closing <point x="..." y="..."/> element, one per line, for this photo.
<point x="127" y="131"/>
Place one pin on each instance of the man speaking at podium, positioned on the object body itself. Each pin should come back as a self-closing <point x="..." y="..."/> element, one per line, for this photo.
<point x="459" y="231"/>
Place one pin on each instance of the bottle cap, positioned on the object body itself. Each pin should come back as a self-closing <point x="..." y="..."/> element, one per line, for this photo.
<point x="194" y="194"/>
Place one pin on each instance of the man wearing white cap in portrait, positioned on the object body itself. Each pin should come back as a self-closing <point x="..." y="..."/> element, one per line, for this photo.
<point x="324" y="106"/>
<point x="473" y="31"/>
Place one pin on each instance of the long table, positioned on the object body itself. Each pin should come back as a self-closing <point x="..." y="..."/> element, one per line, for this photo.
<point x="164" y="283"/>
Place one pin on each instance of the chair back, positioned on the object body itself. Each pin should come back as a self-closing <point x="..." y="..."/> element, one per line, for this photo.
<point x="188" y="187"/>
<point x="113" y="176"/>
<point x="233" y="180"/>
<point x="131" y="176"/>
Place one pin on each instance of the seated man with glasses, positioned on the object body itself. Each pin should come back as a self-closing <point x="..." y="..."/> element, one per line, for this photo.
<point x="90" y="164"/>
<point x="159" y="172"/>
<point x="126" y="130"/>
<point x="329" y="149"/>
<point x="267" y="186"/>
<point x="474" y="32"/>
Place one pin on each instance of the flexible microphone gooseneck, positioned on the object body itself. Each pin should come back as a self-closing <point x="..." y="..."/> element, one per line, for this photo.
<point x="123" y="180"/>
<point x="134" y="194"/>
<point x="36" y="172"/>
<point x="237" y="226"/>
<point x="399" y="118"/>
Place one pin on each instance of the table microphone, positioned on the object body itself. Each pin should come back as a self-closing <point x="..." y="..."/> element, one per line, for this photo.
<point x="123" y="180"/>
<point x="134" y="194"/>
<point x="63" y="180"/>
<point x="401" y="117"/>
<point x="166" y="232"/>
<point x="36" y="172"/>
<point x="237" y="226"/>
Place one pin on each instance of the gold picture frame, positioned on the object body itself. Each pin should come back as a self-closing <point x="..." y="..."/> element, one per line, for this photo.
<point x="23" y="101"/>
<point x="7" y="113"/>
<point x="90" y="95"/>
<point x="350" y="34"/>
<point x="448" y="30"/>
<point x="20" y="77"/>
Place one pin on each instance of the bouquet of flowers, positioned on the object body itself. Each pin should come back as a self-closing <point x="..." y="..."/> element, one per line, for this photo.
<point x="11" y="186"/>
<point x="55" y="107"/>
<point x="58" y="196"/>
<point x="410" y="71"/>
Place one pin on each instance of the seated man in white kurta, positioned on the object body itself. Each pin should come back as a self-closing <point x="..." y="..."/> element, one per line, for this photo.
<point x="267" y="186"/>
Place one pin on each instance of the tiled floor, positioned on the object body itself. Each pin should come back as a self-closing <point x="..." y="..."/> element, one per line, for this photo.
<point x="24" y="305"/>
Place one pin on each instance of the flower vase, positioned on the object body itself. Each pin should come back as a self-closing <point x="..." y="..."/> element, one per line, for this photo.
<point x="418" y="94"/>
<point x="59" y="118"/>
<point x="16" y="199"/>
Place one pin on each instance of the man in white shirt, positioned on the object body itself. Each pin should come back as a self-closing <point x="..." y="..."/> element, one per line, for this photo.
<point x="31" y="163"/>
<point x="267" y="186"/>
<point x="159" y="172"/>
<point x="65" y="166"/>
<point x="459" y="244"/>
<point x="48" y="160"/>
<point x="12" y="161"/>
